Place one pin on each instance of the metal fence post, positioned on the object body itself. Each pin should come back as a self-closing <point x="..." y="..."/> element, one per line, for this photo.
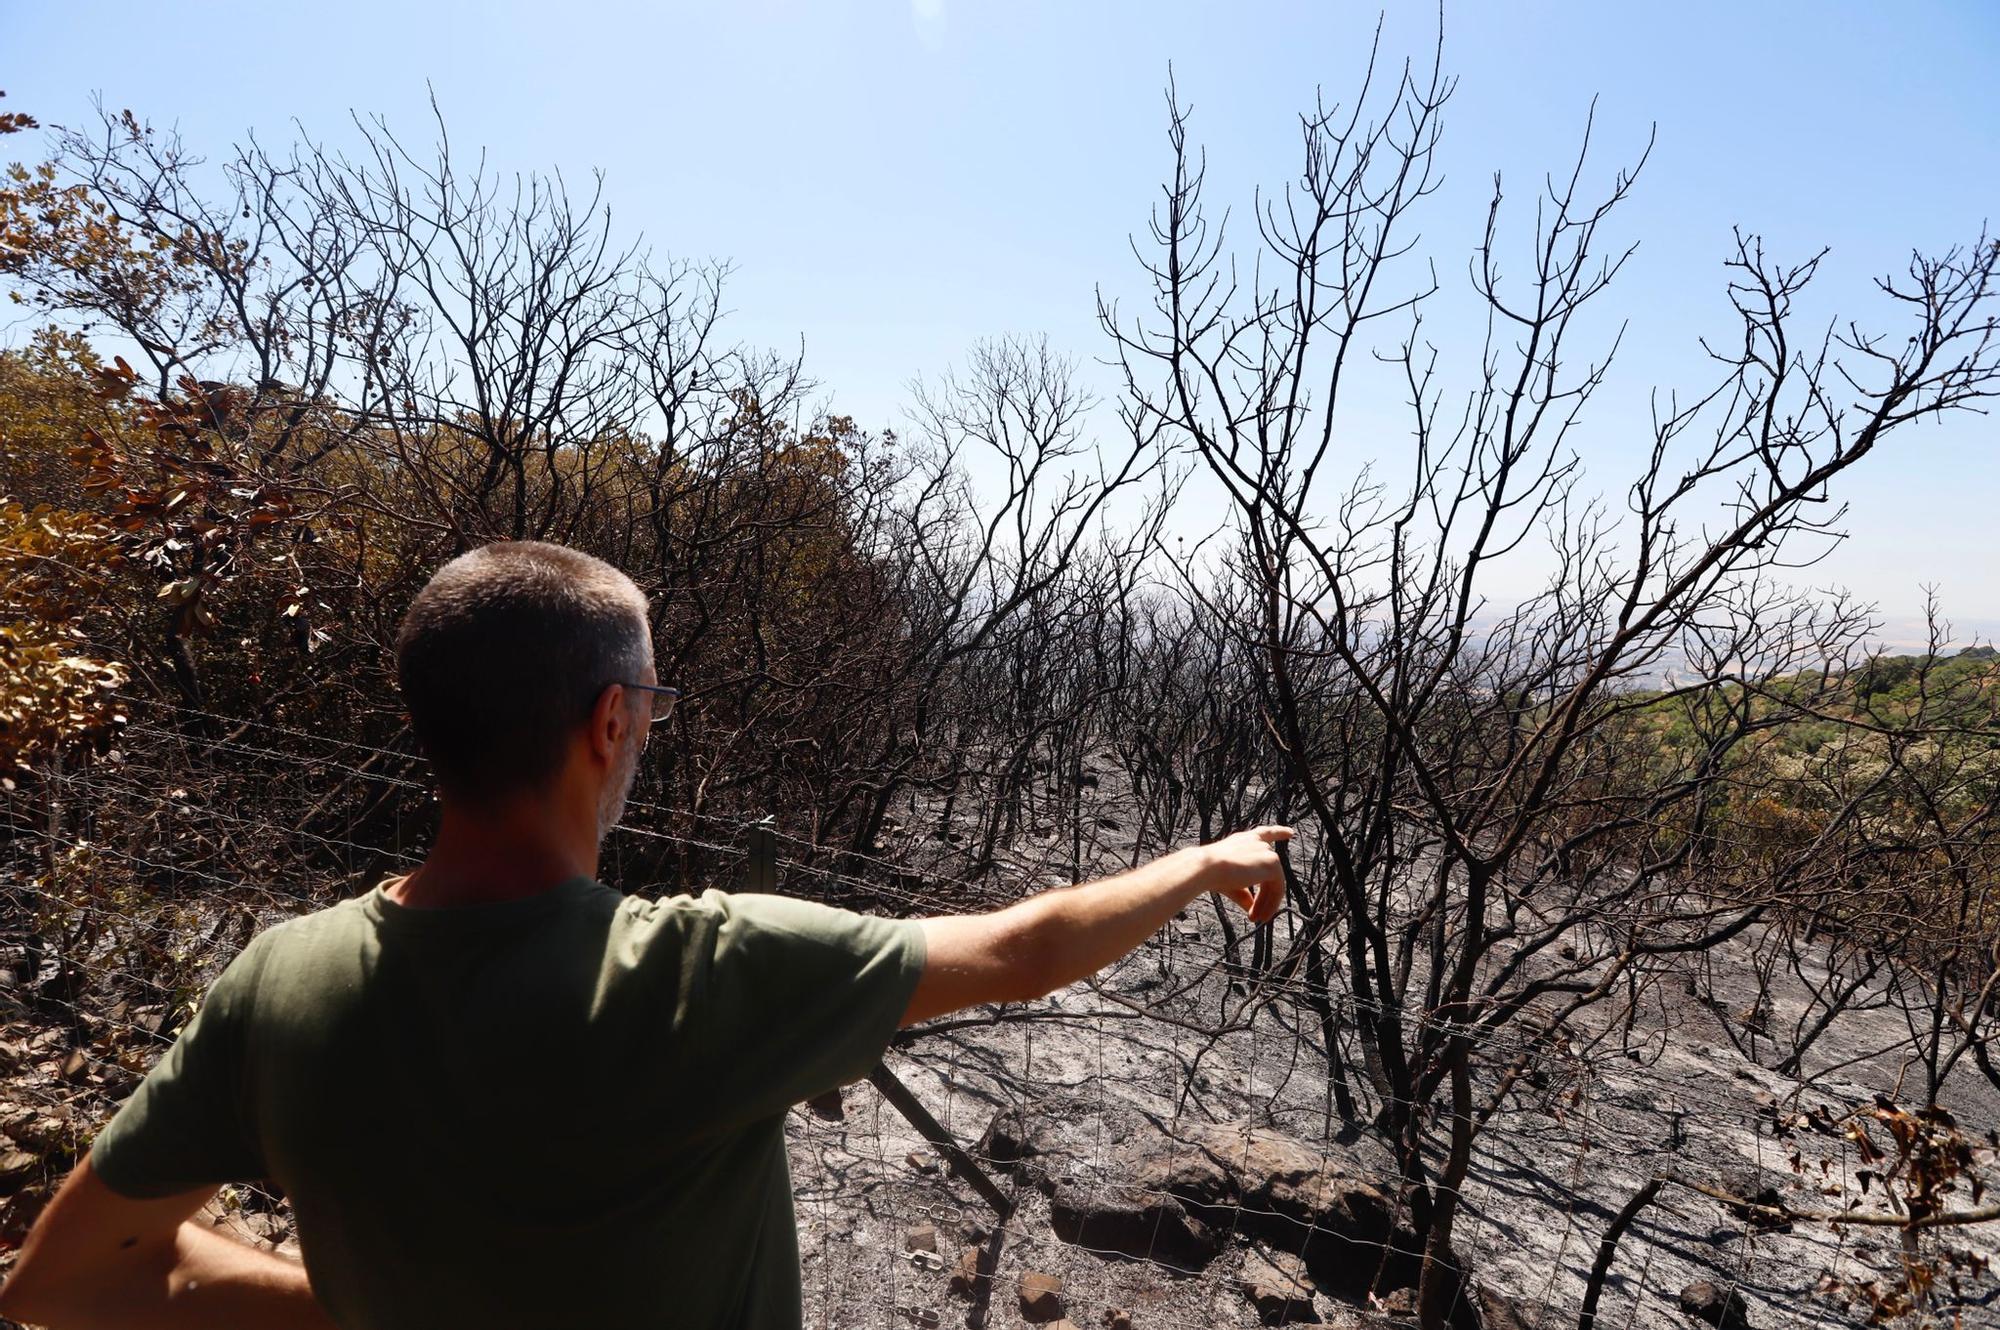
<point x="932" y="1130"/>
<point x="762" y="873"/>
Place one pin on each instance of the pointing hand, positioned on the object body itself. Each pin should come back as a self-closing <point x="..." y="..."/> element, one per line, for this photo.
<point x="1245" y="868"/>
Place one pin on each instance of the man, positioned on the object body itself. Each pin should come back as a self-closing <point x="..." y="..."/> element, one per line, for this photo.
<point x="500" y="1094"/>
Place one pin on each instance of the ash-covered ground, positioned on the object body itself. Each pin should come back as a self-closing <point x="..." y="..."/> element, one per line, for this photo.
<point x="1673" y="1093"/>
<point x="1549" y="1173"/>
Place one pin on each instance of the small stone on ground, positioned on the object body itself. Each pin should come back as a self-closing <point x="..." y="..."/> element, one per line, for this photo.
<point x="965" y="1279"/>
<point x="1723" y="1308"/>
<point x="1041" y="1296"/>
<point x="1277" y="1285"/>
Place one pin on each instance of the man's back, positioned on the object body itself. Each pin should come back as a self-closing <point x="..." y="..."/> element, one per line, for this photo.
<point x="565" y="1109"/>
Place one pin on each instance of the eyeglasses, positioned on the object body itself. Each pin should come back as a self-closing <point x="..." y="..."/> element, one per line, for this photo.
<point x="663" y="698"/>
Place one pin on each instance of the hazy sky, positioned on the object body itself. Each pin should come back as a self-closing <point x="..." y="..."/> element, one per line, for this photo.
<point x="896" y="180"/>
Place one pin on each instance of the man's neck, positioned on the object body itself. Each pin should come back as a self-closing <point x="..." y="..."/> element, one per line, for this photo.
<point x="502" y="855"/>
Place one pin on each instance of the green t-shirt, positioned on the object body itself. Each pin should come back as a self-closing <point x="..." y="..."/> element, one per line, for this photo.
<point x="566" y="1110"/>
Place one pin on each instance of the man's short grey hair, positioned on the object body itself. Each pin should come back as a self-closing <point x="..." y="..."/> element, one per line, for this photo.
<point x="503" y="654"/>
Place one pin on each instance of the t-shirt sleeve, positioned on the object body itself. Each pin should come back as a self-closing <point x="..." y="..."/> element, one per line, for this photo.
<point x="188" y="1123"/>
<point x="791" y="998"/>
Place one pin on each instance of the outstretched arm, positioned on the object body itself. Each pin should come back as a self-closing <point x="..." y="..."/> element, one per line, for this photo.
<point x="1050" y="941"/>
<point x="99" y="1259"/>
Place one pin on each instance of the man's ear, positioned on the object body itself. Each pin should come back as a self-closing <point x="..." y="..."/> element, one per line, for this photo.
<point x="610" y="722"/>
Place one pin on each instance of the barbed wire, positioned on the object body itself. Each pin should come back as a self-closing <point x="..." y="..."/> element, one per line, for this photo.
<point x="1268" y="986"/>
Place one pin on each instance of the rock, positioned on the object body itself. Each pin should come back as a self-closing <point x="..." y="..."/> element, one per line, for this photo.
<point x="1299" y="1181"/>
<point x="1008" y="1139"/>
<point x="921" y="1162"/>
<point x="1173" y="1197"/>
<point x="1758" y="1188"/>
<point x="1011" y="1144"/>
<point x="828" y="1105"/>
<point x="1041" y="1296"/>
<point x="965" y="1277"/>
<point x="1305" y="1200"/>
<point x="1497" y="1311"/>
<point x="1117" y="1318"/>
<point x="1278" y="1287"/>
<point x="75" y="1066"/>
<point x="974" y="1232"/>
<point x="1132" y="1221"/>
<point x="1188" y="1171"/>
<point x="1398" y="1302"/>
<point x="921" y="1239"/>
<point x="1722" y="1308"/>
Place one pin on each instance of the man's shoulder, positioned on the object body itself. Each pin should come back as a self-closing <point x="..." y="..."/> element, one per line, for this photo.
<point x="718" y="923"/>
<point x="312" y="927"/>
<point x="717" y="908"/>
<point x="281" y="947"/>
<point x="682" y="915"/>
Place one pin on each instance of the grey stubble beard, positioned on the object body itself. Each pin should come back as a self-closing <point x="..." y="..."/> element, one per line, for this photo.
<point x="611" y="805"/>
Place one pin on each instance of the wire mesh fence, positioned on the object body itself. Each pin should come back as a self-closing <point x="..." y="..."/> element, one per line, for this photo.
<point x="1164" y="1139"/>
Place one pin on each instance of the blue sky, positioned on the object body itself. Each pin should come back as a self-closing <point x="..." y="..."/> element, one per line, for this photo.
<point x="896" y="180"/>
